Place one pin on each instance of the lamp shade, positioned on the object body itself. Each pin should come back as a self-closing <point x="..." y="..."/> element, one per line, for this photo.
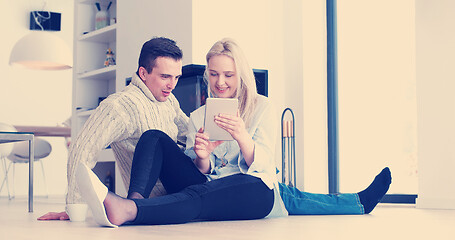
<point x="41" y="50"/>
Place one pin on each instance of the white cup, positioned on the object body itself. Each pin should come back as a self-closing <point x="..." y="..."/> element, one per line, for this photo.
<point x="77" y="212"/>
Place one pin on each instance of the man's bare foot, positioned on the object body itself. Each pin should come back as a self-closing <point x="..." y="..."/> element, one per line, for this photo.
<point x="119" y="210"/>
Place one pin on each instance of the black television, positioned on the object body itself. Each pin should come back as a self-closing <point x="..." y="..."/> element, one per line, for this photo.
<point x="191" y="91"/>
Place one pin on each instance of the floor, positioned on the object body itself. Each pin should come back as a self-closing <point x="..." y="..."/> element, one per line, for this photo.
<point x="387" y="221"/>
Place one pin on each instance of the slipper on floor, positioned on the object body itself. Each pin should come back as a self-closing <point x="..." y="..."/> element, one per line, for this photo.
<point x="93" y="192"/>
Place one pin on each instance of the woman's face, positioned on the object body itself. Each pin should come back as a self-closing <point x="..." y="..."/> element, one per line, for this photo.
<point x="223" y="78"/>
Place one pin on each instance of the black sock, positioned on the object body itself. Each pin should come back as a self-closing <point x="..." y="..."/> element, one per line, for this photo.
<point x="371" y="196"/>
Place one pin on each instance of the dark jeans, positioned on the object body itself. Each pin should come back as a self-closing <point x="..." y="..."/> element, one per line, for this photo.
<point x="191" y="196"/>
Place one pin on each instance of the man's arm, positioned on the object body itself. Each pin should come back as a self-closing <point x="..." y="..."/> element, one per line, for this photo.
<point x="102" y="128"/>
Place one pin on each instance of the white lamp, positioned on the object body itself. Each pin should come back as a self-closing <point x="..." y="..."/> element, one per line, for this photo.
<point x="41" y="50"/>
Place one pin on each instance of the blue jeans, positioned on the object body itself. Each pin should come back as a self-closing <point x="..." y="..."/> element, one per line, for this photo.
<point x="303" y="203"/>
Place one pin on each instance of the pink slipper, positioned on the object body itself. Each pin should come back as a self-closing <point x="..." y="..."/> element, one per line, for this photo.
<point x="93" y="192"/>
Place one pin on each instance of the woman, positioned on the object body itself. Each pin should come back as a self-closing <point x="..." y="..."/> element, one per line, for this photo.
<point x="216" y="180"/>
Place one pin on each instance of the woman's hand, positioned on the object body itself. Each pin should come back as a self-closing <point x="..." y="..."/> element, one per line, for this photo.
<point x="54" y="216"/>
<point x="234" y="125"/>
<point x="202" y="146"/>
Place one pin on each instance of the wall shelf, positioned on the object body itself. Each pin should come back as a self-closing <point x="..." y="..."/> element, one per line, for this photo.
<point x="105" y="73"/>
<point x="85" y="113"/>
<point x="103" y="35"/>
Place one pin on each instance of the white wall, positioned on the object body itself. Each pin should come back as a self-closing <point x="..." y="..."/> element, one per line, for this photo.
<point x="170" y="19"/>
<point x="436" y="103"/>
<point x="30" y="97"/>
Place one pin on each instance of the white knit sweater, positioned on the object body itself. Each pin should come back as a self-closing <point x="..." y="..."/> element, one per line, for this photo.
<point x="119" y="121"/>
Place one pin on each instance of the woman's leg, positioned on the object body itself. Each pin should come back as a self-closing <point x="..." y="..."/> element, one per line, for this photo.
<point x="236" y="197"/>
<point x="303" y="203"/>
<point x="158" y="156"/>
<point x="373" y="194"/>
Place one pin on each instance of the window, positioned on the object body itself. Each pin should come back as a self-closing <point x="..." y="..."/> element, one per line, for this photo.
<point x="377" y="116"/>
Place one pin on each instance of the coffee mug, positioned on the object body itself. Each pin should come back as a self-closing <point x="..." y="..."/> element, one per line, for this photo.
<point x="77" y="212"/>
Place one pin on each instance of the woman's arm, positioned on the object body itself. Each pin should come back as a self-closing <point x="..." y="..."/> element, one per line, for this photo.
<point x="264" y="131"/>
<point x="198" y="147"/>
<point x="257" y="143"/>
<point x="236" y="127"/>
<point x="203" y="148"/>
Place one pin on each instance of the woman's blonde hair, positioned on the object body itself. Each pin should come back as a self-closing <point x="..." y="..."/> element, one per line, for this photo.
<point x="246" y="89"/>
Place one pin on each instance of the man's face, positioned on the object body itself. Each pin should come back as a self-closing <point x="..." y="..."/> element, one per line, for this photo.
<point x="163" y="78"/>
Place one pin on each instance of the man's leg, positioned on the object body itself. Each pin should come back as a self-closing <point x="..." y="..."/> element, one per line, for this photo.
<point x="236" y="197"/>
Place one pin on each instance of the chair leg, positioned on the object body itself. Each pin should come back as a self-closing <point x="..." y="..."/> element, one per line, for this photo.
<point x="44" y="179"/>
<point x="4" y="171"/>
<point x="14" y="177"/>
<point x="5" y="179"/>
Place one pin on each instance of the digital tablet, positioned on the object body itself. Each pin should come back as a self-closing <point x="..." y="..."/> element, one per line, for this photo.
<point x="213" y="107"/>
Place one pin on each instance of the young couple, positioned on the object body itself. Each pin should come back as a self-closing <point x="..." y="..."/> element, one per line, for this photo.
<point x="210" y="180"/>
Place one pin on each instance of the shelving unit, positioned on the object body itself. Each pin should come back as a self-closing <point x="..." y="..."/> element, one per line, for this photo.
<point x="92" y="81"/>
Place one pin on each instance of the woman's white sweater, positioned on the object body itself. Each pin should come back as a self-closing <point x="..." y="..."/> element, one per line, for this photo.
<point x="119" y="121"/>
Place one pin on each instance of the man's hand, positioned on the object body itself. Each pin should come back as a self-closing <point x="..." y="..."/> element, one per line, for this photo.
<point x="54" y="216"/>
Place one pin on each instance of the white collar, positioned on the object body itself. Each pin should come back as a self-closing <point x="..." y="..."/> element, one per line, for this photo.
<point x="137" y="81"/>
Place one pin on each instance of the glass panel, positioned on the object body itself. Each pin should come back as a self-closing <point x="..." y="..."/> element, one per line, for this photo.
<point x="377" y="95"/>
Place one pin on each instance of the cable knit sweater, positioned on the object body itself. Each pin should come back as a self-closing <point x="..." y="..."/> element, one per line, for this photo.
<point x="119" y="121"/>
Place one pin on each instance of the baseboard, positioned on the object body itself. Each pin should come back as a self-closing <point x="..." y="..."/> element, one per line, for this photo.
<point x="435" y="203"/>
<point x="399" y="198"/>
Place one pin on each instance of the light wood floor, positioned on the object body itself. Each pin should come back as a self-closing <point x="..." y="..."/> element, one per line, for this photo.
<point x="385" y="222"/>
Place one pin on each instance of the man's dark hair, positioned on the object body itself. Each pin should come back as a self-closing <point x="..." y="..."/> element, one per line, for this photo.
<point x="158" y="47"/>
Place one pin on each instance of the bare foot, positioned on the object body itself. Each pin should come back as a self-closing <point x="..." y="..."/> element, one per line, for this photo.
<point x="119" y="210"/>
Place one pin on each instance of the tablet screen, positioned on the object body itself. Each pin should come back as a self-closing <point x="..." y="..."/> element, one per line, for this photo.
<point x="215" y="106"/>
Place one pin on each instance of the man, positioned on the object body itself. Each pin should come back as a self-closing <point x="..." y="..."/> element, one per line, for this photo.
<point x="120" y="119"/>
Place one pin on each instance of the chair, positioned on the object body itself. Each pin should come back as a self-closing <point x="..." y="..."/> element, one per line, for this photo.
<point x="5" y="151"/>
<point x="20" y="154"/>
